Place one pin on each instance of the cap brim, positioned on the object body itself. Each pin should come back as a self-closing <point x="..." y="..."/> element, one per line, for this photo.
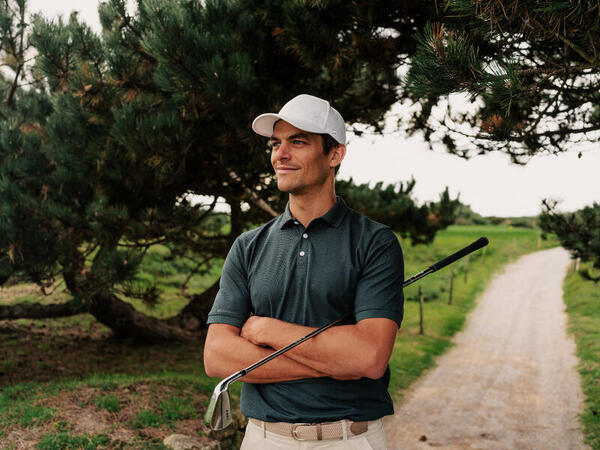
<point x="264" y="124"/>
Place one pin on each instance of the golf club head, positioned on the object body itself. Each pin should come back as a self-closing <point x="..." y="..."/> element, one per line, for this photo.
<point x="218" y="413"/>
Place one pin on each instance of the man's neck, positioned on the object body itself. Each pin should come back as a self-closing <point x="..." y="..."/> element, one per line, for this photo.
<point x="305" y="208"/>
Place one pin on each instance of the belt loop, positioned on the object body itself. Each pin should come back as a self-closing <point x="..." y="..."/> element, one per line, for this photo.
<point x="344" y="430"/>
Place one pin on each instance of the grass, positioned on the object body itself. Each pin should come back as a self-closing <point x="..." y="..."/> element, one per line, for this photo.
<point x="145" y="407"/>
<point x="414" y="353"/>
<point x="110" y="402"/>
<point x="60" y="441"/>
<point x="582" y="298"/>
<point x="138" y="395"/>
<point x="168" y="274"/>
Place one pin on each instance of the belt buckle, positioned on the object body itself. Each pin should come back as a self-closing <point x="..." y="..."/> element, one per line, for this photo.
<point x="295" y="431"/>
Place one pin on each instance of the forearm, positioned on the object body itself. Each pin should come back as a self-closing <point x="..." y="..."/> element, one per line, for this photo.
<point x="227" y="353"/>
<point x="348" y="351"/>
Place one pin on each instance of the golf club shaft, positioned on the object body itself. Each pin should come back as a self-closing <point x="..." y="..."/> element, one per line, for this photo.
<point x="481" y="242"/>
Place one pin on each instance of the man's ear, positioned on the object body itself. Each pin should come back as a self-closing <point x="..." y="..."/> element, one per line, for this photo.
<point x="337" y="155"/>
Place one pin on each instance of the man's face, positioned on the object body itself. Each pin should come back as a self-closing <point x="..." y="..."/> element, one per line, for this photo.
<point x="298" y="159"/>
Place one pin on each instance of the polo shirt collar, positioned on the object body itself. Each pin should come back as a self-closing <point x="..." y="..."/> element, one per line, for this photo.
<point x="286" y="217"/>
<point x="333" y="217"/>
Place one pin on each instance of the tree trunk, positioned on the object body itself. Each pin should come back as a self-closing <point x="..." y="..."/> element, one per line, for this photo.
<point x="37" y="311"/>
<point x="195" y="314"/>
<point x="126" y="322"/>
<point x="122" y="318"/>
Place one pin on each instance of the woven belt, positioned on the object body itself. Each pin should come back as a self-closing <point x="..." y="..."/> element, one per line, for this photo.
<point x="314" y="431"/>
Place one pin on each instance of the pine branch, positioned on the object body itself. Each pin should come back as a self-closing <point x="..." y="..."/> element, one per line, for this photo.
<point x="254" y="198"/>
<point x="580" y="51"/>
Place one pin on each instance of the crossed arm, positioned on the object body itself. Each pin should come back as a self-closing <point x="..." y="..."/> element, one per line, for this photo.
<point x="343" y="352"/>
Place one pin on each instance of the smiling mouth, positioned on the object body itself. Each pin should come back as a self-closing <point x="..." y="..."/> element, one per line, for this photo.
<point x="285" y="169"/>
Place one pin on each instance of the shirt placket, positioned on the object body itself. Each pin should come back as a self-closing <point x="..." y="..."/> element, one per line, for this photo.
<point x="303" y="251"/>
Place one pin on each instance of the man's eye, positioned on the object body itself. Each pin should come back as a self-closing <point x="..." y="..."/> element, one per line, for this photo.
<point x="274" y="144"/>
<point x="298" y="142"/>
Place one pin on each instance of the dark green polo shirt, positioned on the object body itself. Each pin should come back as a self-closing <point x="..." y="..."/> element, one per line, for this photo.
<point x="342" y="262"/>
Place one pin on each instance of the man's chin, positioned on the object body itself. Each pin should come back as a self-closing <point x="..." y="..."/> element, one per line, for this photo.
<point x="285" y="187"/>
<point x="289" y="188"/>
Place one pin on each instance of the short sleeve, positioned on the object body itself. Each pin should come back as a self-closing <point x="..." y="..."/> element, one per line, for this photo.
<point x="379" y="290"/>
<point x="232" y="304"/>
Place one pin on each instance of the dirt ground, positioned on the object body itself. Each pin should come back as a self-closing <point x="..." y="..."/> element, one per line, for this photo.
<point x="510" y="381"/>
<point x="56" y="350"/>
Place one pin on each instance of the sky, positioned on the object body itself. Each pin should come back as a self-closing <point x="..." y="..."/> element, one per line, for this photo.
<point x="490" y="184"/>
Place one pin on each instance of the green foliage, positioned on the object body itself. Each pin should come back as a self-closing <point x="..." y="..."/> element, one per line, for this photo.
<point x="466" y="216"/>
<point x="175" y="408"/>
<point x="106" y="150"/>
<point x="66" y="441"/>
<point x="582" y="298"/>
<point x="109" y="402"/>
<point x="529" y="68"/>
<point x="147" y="418"/>
<point x="393" y="206"/>
<point x="170" y="409"/>
<point x="579" y="232"/>
<point x="19" y="406"/>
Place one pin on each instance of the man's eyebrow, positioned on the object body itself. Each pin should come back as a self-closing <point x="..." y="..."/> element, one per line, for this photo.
<point x="298" y="135"/>
<point x="292" y="137"/>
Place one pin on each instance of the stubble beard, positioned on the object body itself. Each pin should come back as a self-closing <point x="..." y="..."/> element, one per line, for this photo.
<point x="300" y="188"/>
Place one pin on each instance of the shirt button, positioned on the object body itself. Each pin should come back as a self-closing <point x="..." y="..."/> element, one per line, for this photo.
<point x="302" y="253"/>
<point x="305" y="235"/>
<point x="295" y="222"/>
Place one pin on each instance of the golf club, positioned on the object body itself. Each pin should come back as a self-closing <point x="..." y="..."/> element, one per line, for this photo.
<point x="218" y="413"/>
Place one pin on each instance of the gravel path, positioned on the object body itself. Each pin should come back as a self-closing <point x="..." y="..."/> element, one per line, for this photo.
<point x="510" y="381"/>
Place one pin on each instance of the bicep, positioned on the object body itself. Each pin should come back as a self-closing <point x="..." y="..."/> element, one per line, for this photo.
<point x="232" y="305"/>
<point x="379" y="289"/>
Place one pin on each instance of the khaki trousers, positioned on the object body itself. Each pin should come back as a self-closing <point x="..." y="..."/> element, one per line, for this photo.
<point x="258" y="439"/>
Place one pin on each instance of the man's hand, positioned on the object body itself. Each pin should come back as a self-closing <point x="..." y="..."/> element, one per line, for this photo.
<point x="254" y="329"/>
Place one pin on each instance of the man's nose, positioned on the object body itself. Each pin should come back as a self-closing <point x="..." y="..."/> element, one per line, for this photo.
<point x="283" y="151"/>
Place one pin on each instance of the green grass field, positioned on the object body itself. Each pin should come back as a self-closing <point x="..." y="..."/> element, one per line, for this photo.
<point x="582" y="298"/>
<point x="66" y="384"/>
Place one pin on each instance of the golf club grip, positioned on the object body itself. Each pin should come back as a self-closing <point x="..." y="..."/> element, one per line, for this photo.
<point x="481" y="242"/>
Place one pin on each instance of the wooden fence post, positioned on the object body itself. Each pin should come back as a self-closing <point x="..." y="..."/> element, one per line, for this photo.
<point x="421" y="327"/>
<point x="467" y="260"/>
<point x="577" y="262"/>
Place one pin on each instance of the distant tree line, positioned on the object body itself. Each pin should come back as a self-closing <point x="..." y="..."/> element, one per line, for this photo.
<point x="577" y="231"/>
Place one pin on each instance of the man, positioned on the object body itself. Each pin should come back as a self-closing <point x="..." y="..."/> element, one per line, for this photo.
<point x="316" y="262"/>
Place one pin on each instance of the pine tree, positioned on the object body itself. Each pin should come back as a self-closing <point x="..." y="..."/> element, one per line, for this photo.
<point x="578" y="232"/>
<point x="393" y="206"/>
<point x="530" y="68"/>
<point x="104" y="151"/>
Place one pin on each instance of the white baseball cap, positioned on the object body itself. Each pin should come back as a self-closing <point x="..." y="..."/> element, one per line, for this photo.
<point x="308" y="113"/>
